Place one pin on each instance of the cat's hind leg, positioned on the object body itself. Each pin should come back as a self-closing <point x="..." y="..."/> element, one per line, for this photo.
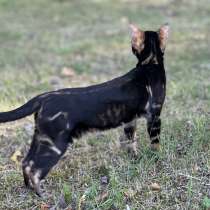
<point x="128" y="139"/>
<point x="44" y="153"/>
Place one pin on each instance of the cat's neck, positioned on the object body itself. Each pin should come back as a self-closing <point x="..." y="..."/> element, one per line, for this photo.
<point x="158" y="64"/>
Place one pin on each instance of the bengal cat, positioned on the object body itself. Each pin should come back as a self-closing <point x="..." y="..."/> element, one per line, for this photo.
<point x="63" y="115"/>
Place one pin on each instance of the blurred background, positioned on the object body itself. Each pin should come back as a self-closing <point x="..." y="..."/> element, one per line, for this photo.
<point x="46" y="44"/>
<point x="51" y="44"/>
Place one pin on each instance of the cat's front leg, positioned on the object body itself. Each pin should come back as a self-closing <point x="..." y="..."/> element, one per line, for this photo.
<point x="154" y="129"/>
<point x="128" y="139"/>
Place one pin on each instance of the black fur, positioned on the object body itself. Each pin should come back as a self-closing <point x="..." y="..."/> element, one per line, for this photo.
<point x="61" y="116"/>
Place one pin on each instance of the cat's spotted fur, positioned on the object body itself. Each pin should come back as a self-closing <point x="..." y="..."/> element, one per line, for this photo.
<point x="62" y="115"/>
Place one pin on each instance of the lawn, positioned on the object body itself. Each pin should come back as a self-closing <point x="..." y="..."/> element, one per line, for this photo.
<point x="51" y="44"/>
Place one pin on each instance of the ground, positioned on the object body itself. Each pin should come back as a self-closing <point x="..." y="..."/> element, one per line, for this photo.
<point x="52" y="44"/>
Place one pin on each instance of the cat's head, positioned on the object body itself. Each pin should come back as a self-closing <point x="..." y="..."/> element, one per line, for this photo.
<point x="149" y="46"/>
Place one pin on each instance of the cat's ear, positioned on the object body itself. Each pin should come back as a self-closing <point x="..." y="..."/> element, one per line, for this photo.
<point x="137" y="37"/>
<point x="163" y="35"/>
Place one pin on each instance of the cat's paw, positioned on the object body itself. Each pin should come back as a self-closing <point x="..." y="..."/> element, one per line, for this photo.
<point x="155" y="147"/>
<point x="131" y="147"/>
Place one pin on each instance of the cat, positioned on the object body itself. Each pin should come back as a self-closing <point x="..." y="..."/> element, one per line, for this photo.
<point x="63" y="115"/>
<point x="145" y="49"/>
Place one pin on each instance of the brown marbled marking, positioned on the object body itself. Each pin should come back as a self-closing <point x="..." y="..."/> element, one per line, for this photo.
<point x="35" y="179"/>
<point x="155" y="128"/>
<point x="156" y="106"/>
<point x="149" y="90"/>
<point x="147" y="60"/>
<point x="54" y="116"/>
<point x="68" y="126"/>
<point x="39" y="114"/>
<point x="154" y="138"/>
<point x="146" y="106"/>
<point x="55" y="149"/>
<point x="65" y="115"/>
<point x="51" y="146"/>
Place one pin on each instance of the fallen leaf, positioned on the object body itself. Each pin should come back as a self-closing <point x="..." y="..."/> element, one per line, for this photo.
<point x="68" y="72"/>
<point x="155" y="186"/>
<point x="44" y="206"/>
<point x="16" y="156"/>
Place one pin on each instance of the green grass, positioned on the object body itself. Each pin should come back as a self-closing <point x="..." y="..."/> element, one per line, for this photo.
<point x="40" y="38"/>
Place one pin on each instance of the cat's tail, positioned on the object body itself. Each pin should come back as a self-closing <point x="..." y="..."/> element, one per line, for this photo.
<point x="28" y="108"/>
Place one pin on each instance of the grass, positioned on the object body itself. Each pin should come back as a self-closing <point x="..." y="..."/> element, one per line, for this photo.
<point x="40" y="38"/>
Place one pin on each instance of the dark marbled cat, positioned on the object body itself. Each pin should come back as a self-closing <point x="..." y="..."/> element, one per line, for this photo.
<point x="62" y="115"/>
